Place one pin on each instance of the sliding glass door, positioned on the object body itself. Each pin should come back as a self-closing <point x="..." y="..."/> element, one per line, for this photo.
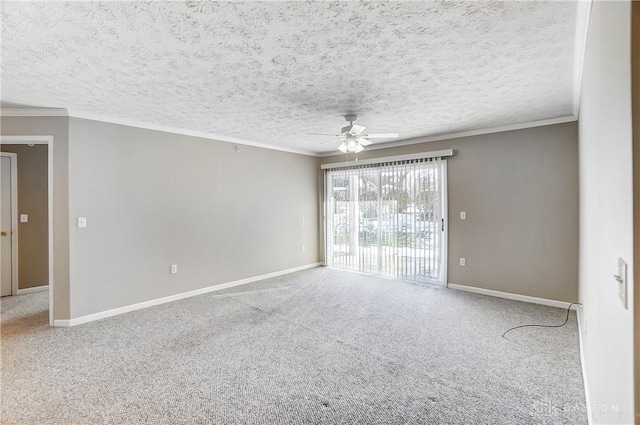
<point x="388" y="219"/>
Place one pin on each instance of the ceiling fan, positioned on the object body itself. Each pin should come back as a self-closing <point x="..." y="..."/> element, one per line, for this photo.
<point x="352" y="137"/>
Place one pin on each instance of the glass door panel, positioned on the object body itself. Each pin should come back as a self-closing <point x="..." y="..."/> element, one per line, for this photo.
<point x="388" y="220"/>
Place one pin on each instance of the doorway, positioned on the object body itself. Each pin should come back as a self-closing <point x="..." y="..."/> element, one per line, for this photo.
<point x="49" y="142"/>
<point x="8" y="225"/>
<point x="388" y="219"/>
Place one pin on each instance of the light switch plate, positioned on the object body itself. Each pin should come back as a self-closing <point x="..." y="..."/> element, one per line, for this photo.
<point x="24" y="218"/>
<point x="622" y="283"/>
<point x="82" y="221"/>
<point x="463" y="215"/>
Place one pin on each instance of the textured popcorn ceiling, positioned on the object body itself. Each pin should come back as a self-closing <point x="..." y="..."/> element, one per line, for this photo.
<point x="270" y="72"/>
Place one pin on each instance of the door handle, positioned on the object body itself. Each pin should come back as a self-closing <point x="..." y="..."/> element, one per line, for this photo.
<point x="3" y="233"/>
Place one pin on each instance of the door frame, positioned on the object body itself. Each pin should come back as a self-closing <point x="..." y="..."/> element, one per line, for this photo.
<point x="635" y="117"/>
<point x="328" y="204"/>
<point x="445" y="224"/>
<point x="13" y="158"/>
<point x="41" y="140"/>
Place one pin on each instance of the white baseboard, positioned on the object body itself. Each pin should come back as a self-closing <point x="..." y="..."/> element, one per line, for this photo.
<point x="547" y="302"/>
<point x="33" y="289"/>
<point x="163" y="300"/>
<point x="584" y="370"/>
<point x="510" y="296"/>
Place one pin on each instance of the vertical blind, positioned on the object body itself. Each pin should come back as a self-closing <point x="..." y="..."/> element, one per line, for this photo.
<point x="387" y="219"/>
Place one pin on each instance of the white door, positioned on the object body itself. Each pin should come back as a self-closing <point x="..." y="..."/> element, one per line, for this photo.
<point x="5" y="226"/>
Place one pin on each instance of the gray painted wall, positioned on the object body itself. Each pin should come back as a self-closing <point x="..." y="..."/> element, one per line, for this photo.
<point x="33" y="236"/>
<point x="520" y="192"/>
<point x="170" y="194"/>
<point x="153" y="199"/>
<point x="606" y="212"/>
<point x="59" y="128"/>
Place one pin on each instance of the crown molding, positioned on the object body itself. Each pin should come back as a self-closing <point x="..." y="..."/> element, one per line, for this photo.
<point x="221" y="138"/>
<point x="183" y="131"/>
<point x="479" y="132"/>
<point x="11" y="112"/>
<point x="583" y="16"/>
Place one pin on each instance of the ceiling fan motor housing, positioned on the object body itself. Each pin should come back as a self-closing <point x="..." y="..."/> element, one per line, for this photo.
<point x="346" y="129"/>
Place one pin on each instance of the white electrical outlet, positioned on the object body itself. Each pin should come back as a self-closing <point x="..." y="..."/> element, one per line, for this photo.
<point x="462" y="261"/>
<point x="82" y="221"/>
<point x="621" y="278"/>
<point x="24" y="218"/>
<point x="303" y="248"/>
<point x="174" y="268"/>
<point x="463" y="215"/>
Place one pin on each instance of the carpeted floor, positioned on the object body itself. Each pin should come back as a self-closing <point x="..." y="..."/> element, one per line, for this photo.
<point x="315" y="347"/>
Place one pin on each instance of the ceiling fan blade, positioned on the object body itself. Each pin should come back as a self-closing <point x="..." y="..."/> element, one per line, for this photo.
<point x="340" y="139"/>
<point x="357" y="129"/>
<point x="324" y="134"/>
<point x="382" y="135"/>
<point x="363" y="142"/>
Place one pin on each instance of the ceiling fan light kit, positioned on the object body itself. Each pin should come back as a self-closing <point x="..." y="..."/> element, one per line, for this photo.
<point x="352" y="138"/>
<point x="351" y="145"/>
